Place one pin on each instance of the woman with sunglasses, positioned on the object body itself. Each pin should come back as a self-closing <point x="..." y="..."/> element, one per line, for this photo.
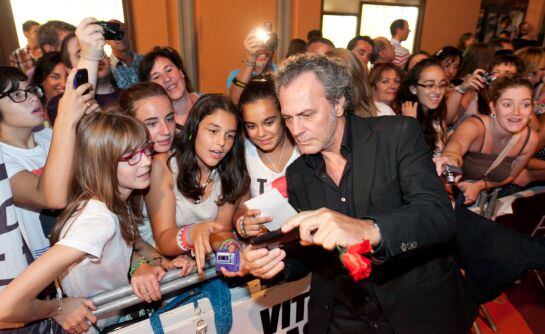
<point x="93" y="241"/>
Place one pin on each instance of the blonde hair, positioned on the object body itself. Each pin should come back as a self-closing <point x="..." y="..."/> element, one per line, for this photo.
<point x="362" y="96"/>
<point x="102" y="139"/>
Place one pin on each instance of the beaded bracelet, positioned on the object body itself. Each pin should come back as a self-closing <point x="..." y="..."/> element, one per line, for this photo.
<point x="137" y="265"/>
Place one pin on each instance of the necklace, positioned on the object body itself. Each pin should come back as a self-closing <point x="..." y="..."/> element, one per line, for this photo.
<point x="277" y="164"/>
<point x="203" y="186"/>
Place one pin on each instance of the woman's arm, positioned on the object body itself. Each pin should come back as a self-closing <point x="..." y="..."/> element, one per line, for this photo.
<point x="455" y="98"/>
<point x="51" y="189"/>
<point x="19" y="303"/>
<point x="465" y="136"/>
<point x="161" y="206"/>
<point x="253" y="46"/>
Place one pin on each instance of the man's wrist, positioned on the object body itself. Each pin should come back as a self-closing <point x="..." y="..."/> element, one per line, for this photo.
<point x="371" y="231"/>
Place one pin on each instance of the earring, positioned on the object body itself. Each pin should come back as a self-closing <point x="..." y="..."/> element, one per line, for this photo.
<point x="493" y="115"/>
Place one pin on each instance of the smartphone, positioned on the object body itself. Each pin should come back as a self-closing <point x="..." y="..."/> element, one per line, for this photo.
<point x="81" y="77"/>
<point x="277" y="238"/>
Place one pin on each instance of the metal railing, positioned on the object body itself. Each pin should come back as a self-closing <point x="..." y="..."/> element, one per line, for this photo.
<point x="121" y="298"/>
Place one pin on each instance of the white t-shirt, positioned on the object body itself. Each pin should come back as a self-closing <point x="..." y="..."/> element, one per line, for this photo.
<point x="95" y="231"/>
<point x="384" y="109"/>
<point x="14" y="254"/>
<point x="32" y="160"/>
<point x="262" y="178"/>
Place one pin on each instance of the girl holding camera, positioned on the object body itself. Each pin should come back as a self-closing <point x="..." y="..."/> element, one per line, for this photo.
<point x="493" y="149"/>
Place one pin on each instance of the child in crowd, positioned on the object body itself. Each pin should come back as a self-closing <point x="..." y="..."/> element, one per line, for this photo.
<point x="93" y="239"/>
<point x="194" y="192"/>
<point x="269" y="150"/>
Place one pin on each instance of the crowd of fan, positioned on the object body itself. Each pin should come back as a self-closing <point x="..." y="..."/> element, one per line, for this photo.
<point x="82" y="166"/>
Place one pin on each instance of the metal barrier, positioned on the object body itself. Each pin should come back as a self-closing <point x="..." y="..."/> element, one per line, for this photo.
<point x="121" y="298"/>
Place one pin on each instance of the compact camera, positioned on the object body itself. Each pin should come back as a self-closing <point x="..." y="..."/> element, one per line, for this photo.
<point x="267" y="37"/>
<point x="112" y="30"/>
<point x="450" y="172"/>
<point x="488" y="78"/>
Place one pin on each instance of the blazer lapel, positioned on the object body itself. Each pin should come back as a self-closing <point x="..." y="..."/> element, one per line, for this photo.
<point x="364" y="152"/>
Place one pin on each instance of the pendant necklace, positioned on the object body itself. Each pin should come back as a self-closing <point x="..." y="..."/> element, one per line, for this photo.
<point x="203" y="186"/>
<point x="275" y="165"/>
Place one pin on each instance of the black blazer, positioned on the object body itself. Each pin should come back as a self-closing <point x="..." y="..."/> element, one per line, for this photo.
<point x="394" y="182"/>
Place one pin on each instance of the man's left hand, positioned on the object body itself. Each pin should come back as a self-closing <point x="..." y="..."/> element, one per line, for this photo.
<point x="329" y="229"/>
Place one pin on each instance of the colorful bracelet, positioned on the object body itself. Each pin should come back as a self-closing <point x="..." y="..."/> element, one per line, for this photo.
<point x="137" y="265"/>
<point x="180" y="239"/>
<point x="186" y="236"/>
<point x="240" y="223"/>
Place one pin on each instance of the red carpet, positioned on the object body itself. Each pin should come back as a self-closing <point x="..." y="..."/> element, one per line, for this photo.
<point x="506" y="317"/>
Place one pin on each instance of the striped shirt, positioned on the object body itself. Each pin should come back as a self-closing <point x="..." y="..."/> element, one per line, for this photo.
<point x="402" y="54"/>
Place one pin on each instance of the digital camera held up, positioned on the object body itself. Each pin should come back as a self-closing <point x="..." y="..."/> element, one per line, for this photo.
<point x="267" y="37"/>
<point x="112" y="30"/>
<point x="488" y="77"/>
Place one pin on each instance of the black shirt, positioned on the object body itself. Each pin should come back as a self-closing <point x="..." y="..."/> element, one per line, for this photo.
<point x="356" y="309"/>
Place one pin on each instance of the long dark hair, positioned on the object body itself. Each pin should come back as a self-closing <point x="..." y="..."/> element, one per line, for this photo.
<point x="259" y="88"/>
<point x="231" y="169"/>
<point x="103" y="138"/>
<point x="427" y="119"/>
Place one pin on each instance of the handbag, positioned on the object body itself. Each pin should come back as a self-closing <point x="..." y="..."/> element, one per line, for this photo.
<point x="216" y="291"/>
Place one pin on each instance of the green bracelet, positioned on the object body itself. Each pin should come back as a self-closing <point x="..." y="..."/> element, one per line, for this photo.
<point x="137" y="264"/>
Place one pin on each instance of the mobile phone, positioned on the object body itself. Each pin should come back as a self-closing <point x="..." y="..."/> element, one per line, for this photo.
<point x="81" y="77"/>
<point x="276" y="238"/>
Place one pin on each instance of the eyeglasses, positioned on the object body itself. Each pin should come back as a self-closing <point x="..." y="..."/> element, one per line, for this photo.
<point x="21" y="95"/>
<point x="430" y="86"/>
<point x="135" y="157"/>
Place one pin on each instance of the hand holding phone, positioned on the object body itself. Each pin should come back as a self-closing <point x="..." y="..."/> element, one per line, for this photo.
<point x="81" y="77"/>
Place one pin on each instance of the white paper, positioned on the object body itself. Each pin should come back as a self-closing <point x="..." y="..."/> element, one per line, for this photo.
<point x="272" y="204"/>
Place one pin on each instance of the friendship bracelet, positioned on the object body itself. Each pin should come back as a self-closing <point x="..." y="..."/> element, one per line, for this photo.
<point x="59" y="308"/>
<point x="185" y="237"/>
<point x="137" y="265"/>
<point x="93" y="59"/>
<point x="238" y="83"/>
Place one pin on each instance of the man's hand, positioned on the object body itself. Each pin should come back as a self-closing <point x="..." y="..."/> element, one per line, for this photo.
<point x="328" y="228"/>
<point x="260" y="262"/>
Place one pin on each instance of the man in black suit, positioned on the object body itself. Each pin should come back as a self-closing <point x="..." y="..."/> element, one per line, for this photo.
<point x="361" y="179"/>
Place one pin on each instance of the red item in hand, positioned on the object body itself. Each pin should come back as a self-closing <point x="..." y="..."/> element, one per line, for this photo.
<point x="353" y="260"/>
